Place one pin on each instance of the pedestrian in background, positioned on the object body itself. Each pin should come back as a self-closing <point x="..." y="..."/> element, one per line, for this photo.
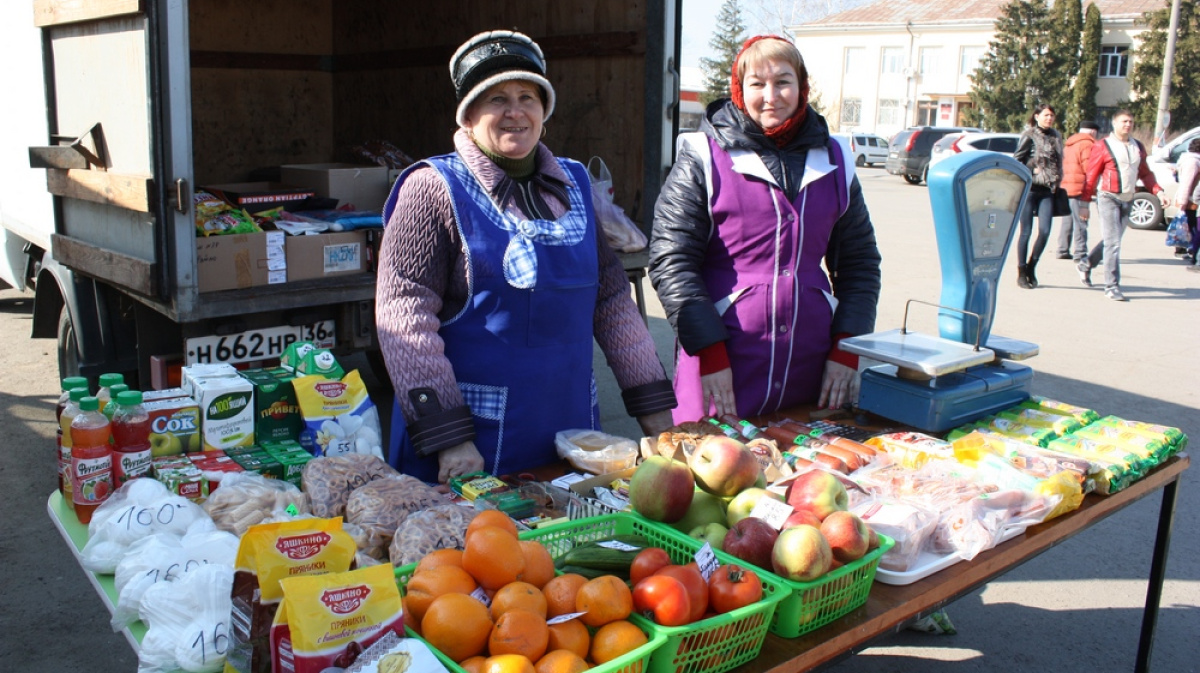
<point x="1188" y="196"/>
<point x="1040" y="148"/>
<point x="1076" y="151"/>
<point x="1114" y="168"/>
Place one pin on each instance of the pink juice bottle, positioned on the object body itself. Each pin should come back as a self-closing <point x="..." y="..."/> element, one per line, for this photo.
<point x="91" y="459"/>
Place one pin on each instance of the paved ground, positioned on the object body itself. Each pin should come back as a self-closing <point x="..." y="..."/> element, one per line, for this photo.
<point x="1077" y="607"/>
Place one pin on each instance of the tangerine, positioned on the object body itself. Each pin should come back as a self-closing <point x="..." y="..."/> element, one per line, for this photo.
<point x="508" y="663"/>
<point x="491" y="517"/>
<point x="602" y="600"/>
<point x="561" y="661"/>
<point x="615" y="639"/>
<point x="439" y="557"/>
<point x="493" y="557"/>
<point x="519" y="632"/>
<point x="522" y="595"/>
<point x="560" y="593"/>
<point x="539" y="565"/>
<point x="427" y="585"/>
<point x="570" y="635"/>
<point x="458" y="625"/>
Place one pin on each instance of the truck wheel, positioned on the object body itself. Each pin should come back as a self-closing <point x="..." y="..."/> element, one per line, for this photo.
<point x="912" y="179"/>
<point x="68" y="349"/>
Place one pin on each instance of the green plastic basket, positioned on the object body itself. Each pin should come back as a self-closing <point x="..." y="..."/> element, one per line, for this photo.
<point x="711" y="645"/>
<point x="635" y="661"/>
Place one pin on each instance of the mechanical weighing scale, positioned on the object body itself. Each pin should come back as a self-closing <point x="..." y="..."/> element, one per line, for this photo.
<point x="935" y="383"/>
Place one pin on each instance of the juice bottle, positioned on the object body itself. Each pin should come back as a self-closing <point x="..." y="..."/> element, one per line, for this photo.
<point x="70" y="411"/>
<point x="114" y="392"/>
<point x="131" y="438"/>
<point x="107" y="381"/>
<point x="91" y="459"/>
<point x="67" y="385"/>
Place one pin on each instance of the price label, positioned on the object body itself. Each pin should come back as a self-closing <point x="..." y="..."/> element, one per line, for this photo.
<point x="618" y="545"/>
<point x="480" y="595"/>
<point x="707" y="561"/>
<point x="564" y="618"/>
<point x="137" y="518"/>
<point x="772" y="511"/>
<point x="211" y="644"/>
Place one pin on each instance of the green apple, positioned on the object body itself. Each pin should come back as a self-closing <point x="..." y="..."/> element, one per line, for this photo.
<point x="743" y="503"/>
<point x="712" y="533"/>
<point x="165" y="444"/>
<point x="706" y="508"/>
<point x="195" y="444"/>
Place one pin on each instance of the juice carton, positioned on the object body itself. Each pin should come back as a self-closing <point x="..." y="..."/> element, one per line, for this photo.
<point x="291" y="456"/>
<point x="174" y="426"/>
<point x="226" y="411"/>
<point x="164" y="394"/>
<point x="180" y="476"/>
<point x="214" y="465"/>
<point x="276" y="411"/>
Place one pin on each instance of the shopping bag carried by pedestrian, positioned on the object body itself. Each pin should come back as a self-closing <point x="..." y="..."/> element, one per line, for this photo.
<point x="620" y="231"/>
<point x="1178" y="235"/>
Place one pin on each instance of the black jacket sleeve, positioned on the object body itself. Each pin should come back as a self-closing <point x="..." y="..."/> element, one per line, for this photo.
<point x="678" y="242"/>
<point x="1024" y="149"/>
<point x="853" y="261"/>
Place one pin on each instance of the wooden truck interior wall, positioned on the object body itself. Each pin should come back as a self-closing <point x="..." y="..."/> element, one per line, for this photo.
<point x="303" y="81"/>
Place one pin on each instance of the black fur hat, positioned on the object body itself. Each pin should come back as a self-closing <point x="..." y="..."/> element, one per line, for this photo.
<point x="493" y="57"/>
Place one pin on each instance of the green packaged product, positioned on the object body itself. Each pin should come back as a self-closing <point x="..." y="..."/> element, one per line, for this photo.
<point x="1117" y="467"/>
<point x="321" y="362"/>
<point x="1150" y="450"/>
<point x="1081" y="414"/>
<point x="1061" y="424"/>
<point x="1174" y="438"/>
<point x="1022" y="431"/>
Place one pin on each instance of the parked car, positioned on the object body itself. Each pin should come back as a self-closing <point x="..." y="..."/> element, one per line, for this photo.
<point x="1147" y="211"/>
<point x="868" y="149"/>
<point x="1005" y="143"/>
<point x="909" y="152"/>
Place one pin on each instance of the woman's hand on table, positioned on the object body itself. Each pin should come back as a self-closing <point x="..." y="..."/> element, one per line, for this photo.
<point x="718" y="392"/>
<point x="459" y="460"/>
<point x="655" y="424"/>
<point x="839" y="385"/>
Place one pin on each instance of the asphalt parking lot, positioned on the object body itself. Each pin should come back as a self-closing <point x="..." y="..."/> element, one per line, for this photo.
<point x="1077" y="607"/>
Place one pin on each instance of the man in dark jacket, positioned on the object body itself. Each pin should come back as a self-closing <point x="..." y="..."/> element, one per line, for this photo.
<point x="1076" y="151"/>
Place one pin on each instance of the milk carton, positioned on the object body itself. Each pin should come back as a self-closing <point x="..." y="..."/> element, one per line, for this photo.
<point x="226" y="411"/>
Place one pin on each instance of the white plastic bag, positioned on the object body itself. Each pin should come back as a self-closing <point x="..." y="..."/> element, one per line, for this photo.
<point x="187" y="622"/>
<point x="594" y="451"/>
<point x="622" y="234"/>
<point x="140" y="508"/>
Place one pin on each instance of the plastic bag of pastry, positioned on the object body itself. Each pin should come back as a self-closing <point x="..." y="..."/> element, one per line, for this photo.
<point x="140" y="508"/>
<point x="678" y="441"/>
<point x="908" y="523"/>
<point x="440" y="527"/>
<point x="329" y="480"/>
<point x="594" y="451"/>
<point x="247" y="499"/>
<point x="773" y="464"/>
<point x="187" y="622"/>
<point x="911" y="449"/>
<point x="339" y="416"/>
<point x="378" y="507"/>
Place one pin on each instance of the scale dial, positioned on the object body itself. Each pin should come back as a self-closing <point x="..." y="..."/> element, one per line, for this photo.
<point x="992" y="199"/>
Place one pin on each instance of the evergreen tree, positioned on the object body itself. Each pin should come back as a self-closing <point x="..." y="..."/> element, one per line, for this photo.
<point x="1065" y="31"/>
<point x="1083" y="94"/>
<point x="1146" y="78"/>
<point x="727" y="39"/>
<point x="1017" y="73"/>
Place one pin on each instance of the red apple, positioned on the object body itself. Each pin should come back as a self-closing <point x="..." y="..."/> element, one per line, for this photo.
<point x="873" y="543"/>
<point x="724" y="466"/>
<point x="801" y="553"/>
<point x="818" y="491"/>
<point x="802" y="517"/>
<point x="752" y="541"/>
<point x="848" y="536"/>
<point x="661" y="489"/>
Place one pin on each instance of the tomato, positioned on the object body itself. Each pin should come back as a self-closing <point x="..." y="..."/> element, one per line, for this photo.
<point x="647" y="562"/>
<point x="697" y="588"/>
<point x="663" y="599"/>
<point x="732" y="587"/>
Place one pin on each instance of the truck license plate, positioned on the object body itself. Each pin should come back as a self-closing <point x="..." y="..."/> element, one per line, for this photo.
<point x="257" y="344"/>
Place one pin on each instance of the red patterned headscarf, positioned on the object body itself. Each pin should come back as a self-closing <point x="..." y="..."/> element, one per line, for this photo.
<point x="785" y="132"/>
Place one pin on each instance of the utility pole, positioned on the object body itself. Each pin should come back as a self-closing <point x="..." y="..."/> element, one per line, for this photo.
<point x="1164" y="93"/>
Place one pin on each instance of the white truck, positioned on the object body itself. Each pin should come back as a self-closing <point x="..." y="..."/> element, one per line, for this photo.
<point x="118" y="110"/>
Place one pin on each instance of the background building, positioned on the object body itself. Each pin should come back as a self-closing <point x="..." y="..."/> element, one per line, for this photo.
<point x="892" y="64"/>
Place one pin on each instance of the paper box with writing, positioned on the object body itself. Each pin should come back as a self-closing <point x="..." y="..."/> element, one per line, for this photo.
<point x="326" y="255"/>
<point x="231" y="262"/>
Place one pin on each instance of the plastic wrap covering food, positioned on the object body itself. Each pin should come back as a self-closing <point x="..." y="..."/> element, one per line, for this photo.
<point x="247" y="499"/>
<point x="978" y="524"/>
<point x="1007" y="463"/>
<point x="440" y="527"/>
<point x="187" y="622"/>
<point x="911" y="449"/>
<point x="1081" y="414"/>
<point x="596" y="452"/>
<point x="378" y="507"/>
<point x="1174" y="438"/>
<point x="329" y="480"/>
<point x="908" y="523"/>
<point x="1038" y="418"/>
<point x="1148" y="448"/>
<point x="138" y="509"/>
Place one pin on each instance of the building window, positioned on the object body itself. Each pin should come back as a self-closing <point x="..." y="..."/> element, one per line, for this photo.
<point x="855" y="57"/>
<point x="891" y="112"/>
<point x="931" y="60"/>
<point x="891" y="60"/>
<point x="968" y="60"/>
<point x="1114" y="61"/>
<point x="851" y="112"/>
<point x="927" y="111"/>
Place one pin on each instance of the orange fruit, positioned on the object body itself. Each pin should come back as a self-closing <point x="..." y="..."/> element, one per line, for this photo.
<point x="539" y="565"/>
<point x="411" y="621"/>
<point x="522" y="595"/>
<point x="570" y="635"/>
<point x="493" y="557"/>
<point x="427" y="585"/>
<point x="604" y="599"/>
<point x="458" y="625"/>
<point x="560" y="593"/>
<point x="491" y="517"/>
<point x="474" y="664"/>
<point x="508" y="663"/>
<point x="615" y="639"/>
<point x="561" y="661"/>
<point x="519" y="632"/>
<point x="439" y="557"/>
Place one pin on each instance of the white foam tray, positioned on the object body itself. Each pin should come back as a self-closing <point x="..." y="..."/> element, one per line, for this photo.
<point x="929" y="563"/>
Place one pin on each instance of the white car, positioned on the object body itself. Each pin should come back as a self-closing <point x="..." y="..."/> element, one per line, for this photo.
<point x="868" y="149"/>
<point x="1005" y="143"/>
<point x="1147" y="211"/>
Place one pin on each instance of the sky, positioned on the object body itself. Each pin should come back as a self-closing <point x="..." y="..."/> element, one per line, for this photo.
<point x="699" y="22"/>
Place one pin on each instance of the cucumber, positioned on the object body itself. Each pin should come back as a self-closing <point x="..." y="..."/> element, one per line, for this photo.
<point x="593" y="555"/>
<point x="592" y="573"/>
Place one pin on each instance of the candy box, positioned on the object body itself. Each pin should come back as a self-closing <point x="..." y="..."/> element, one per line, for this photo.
<point x="174" y="426"/>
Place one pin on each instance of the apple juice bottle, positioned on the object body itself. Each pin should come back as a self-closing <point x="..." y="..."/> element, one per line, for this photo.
<point x="131" y="438"/>
<point x="107" y="381"/>
<point x="91" y="459"/>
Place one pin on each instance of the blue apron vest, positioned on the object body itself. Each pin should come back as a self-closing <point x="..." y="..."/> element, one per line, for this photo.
<point x="521" y="347"/>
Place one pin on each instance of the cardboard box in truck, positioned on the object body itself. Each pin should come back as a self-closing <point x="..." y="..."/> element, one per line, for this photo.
<point x="364" y="187"/>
